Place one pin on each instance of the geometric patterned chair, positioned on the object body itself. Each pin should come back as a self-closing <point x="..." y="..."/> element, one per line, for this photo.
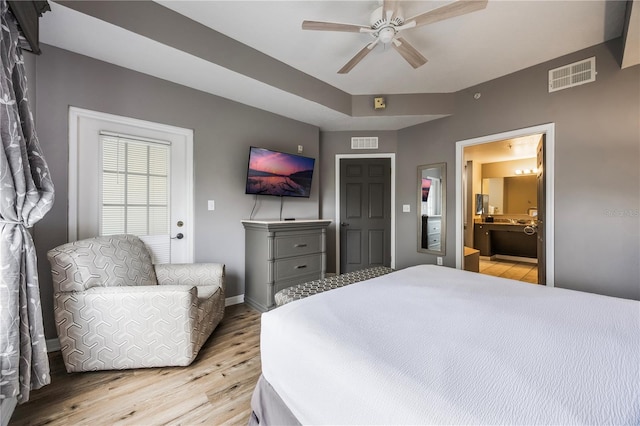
<point x="115" y="310"/>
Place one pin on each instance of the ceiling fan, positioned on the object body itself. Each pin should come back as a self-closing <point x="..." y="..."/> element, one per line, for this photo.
<point x="388" y="21"/>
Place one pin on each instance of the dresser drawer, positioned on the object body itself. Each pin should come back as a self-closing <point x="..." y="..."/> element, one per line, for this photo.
<point x="297" y="266"/>
<point x="297" y="244"/>
<point x="433" y="239"/>
<point x="434" y="226"/>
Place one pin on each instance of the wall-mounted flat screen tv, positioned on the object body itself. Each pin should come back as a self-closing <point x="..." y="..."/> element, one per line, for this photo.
<point x="278" y="173"/>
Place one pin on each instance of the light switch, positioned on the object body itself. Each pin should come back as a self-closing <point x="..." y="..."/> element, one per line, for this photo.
<point x="406" y="208"/>
<point x="300" y="148"/>
<point x="211" y="205"/>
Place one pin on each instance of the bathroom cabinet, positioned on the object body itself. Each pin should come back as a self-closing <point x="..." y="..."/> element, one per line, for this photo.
<point x="504" y="238"/>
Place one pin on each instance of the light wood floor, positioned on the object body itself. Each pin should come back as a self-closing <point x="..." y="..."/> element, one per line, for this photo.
<point x="215" y="389"/>
<point x="521" y="271"/>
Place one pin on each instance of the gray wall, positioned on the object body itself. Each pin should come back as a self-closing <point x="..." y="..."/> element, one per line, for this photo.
<point x="597" y="170"/>
<point x="223" y="132"/>
<point x="331" y="144"/>
<point x="597" y="192"/>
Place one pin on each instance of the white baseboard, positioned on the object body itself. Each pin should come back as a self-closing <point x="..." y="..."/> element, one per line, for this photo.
<point x="6" y="410"/>
<point x="53" y="345"/>
<point x="234" y="300"/>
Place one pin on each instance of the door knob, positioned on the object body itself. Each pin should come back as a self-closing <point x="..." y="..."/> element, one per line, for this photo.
<point x="344" y="224"/>
<point x="178" y="236"/>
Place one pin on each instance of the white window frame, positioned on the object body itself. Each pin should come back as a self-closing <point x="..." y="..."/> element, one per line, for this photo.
<point x="142" y="141"/>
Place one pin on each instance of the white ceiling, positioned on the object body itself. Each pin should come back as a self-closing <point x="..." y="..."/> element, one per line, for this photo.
<point x="505" y="37"/>
<point x="505" y="150"/>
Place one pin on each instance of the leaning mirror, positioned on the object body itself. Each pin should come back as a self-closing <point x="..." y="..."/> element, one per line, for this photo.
<point x="432" y="185"/>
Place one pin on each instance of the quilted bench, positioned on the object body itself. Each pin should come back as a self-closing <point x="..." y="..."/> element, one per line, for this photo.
<point x="303" y="290"/>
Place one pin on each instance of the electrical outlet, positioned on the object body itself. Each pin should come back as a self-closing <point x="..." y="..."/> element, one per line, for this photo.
<point x="300" y="148"/>
<point x="211" y="205"/>
<point x="406" y="208"/>
<point x="439" y="260"/>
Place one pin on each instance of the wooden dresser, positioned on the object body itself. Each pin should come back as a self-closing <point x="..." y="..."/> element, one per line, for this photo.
<point x="280" y="254"/>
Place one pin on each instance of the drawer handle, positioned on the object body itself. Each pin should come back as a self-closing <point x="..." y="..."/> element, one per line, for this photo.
<point x="300" y="245"/>
<point x="301" y="266"/>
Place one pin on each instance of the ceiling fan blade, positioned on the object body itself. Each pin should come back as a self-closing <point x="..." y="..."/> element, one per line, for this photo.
<point x="409" y="53"/>
<point x="451" y="10"/>
<point x="359" y="56"/>
<point x="389" y="9"/>
<point x="334" y="26"/>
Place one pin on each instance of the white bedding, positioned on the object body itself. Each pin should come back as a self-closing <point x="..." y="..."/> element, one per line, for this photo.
<point x="435" y="345"/>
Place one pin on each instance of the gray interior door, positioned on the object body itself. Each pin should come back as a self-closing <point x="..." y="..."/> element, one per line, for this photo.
<point x="540" y="163"/>
<point x="365" y="213"/>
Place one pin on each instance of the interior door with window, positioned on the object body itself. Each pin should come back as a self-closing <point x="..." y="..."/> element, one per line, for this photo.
<point x="134" y="180"/>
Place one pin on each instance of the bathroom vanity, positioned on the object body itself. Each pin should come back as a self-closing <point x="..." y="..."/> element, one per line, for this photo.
<point x="505" y="238"/>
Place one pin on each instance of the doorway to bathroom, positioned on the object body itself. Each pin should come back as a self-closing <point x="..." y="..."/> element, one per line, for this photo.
<point x="504" y="212"/>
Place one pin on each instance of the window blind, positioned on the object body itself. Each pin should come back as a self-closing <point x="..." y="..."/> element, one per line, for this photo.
<point x="134" y="195"/>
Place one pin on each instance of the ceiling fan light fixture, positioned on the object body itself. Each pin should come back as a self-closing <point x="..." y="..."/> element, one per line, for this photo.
<point x="387" y="21"/>
<point x="385" y="35"/>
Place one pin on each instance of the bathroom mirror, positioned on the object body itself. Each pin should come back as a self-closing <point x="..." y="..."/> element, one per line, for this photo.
<point x="432" y="189"/>
<point x="511" y="195"/>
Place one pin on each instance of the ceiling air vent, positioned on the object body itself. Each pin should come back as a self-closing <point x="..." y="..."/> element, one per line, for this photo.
<point x="364" y="143"/>
<point x="572" y="75"/>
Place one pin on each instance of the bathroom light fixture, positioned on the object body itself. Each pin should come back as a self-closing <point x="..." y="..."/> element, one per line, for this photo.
<point x="526" y="171"/>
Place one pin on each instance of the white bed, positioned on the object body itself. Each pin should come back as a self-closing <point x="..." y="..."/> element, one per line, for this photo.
<point x="435" y="345"/>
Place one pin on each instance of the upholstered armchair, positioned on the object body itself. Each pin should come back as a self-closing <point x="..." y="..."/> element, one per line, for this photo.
<point x="115" y="310"/>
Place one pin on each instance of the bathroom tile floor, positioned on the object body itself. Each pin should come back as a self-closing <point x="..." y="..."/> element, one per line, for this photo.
<point x="521" y="271"/>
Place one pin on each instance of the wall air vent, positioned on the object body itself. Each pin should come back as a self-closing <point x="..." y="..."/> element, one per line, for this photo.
<point x="364" y="143"/>
<point x="572" y="75"/>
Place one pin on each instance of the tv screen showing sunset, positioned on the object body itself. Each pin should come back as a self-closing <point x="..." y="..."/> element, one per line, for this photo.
<point x="278" y="173"/>
<point x="426" y="186"/>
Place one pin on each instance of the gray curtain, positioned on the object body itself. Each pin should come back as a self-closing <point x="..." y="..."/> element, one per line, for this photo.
<point x="26" y="195"/>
